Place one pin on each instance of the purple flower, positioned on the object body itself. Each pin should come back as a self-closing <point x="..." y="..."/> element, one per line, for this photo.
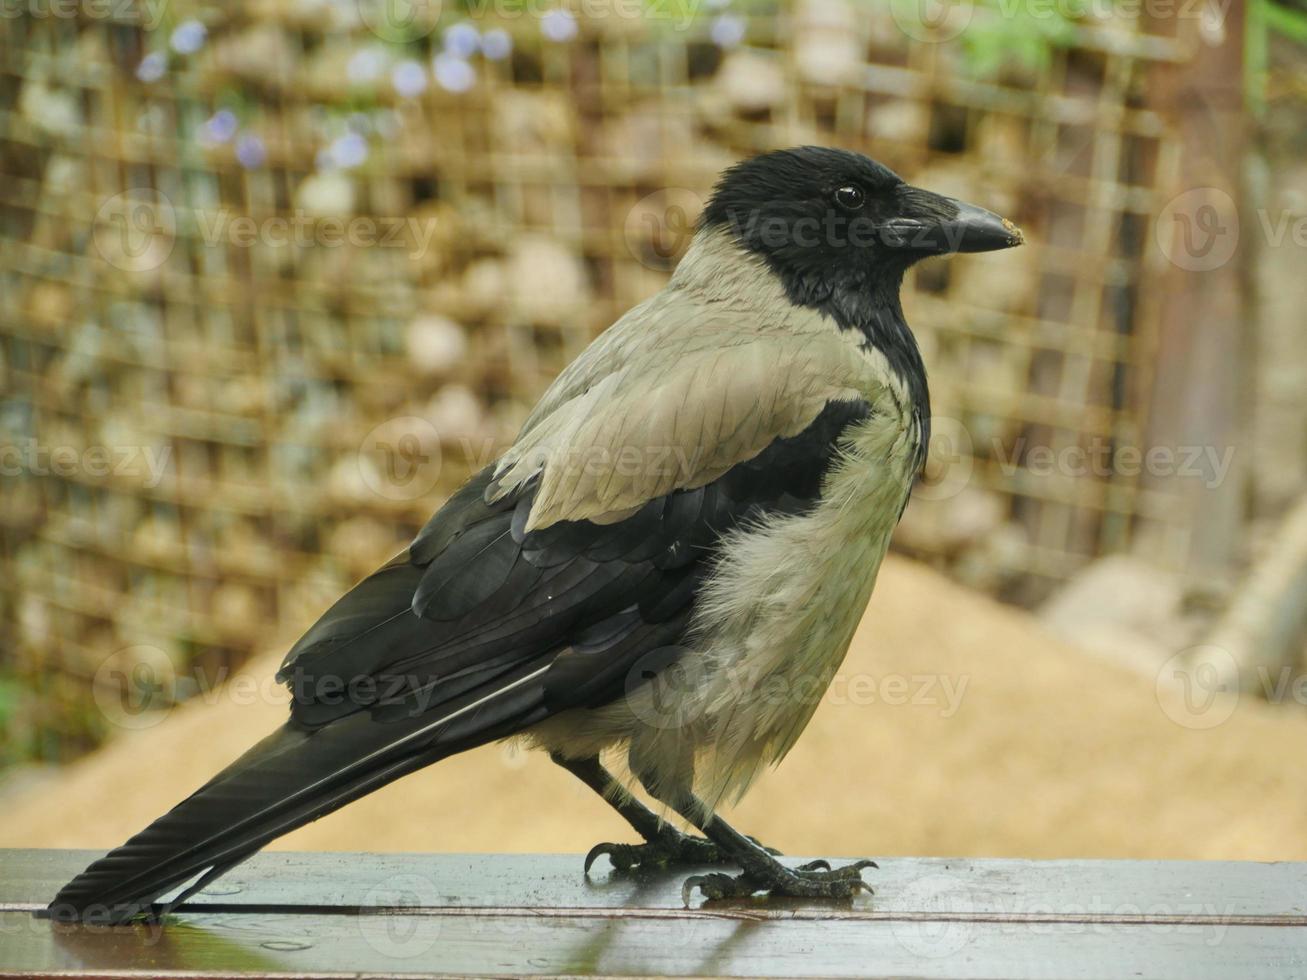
<point x="365" y="65"/>
<point x="462" y="39"/>
<point x="728" y="30"/>
<point x="349" y="151"/>
<point x="409" y="79"/>
<point x="453" y="73"/>
<point x="220" y="127"/>
<point x="188" y="37"/>
<point x="558" y="25"/>
<point x="152" y="67"/>
<point x="496" y="44"/>
<point x="250" y="151"/>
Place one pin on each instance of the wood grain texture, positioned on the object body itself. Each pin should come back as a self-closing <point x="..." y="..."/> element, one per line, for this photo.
<point x="302" y="914"/>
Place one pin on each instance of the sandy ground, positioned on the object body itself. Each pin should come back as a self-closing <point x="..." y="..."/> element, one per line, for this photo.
<point x="957" y="727"/>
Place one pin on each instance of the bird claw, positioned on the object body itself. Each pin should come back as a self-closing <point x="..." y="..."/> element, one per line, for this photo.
<point x="671" y="848"/>
<point x="717" y="886"/>
<point x="820" y="870"/>
<point x="816" y="879"/>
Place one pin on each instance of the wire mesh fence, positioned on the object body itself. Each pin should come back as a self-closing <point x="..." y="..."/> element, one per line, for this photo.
<point x="278" y="274"/>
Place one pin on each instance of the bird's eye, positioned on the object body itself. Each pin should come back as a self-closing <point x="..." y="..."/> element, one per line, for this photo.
<point x="849" y="197"/>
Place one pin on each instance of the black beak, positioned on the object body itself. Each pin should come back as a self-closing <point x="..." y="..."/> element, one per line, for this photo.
<point x="936" y="225"/>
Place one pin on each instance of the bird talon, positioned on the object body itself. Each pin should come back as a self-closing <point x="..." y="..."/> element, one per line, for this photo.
<point x="817" y="865"/>
<point x="594" y="853"/>
<point x="717" y="886"/>
<point x="688" y="886"/>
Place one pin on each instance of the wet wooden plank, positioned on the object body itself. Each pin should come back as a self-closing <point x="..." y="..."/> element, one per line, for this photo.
<point x="992" y="886"/>
<point x="696" y="944"/>
<point x="299" y="914"/>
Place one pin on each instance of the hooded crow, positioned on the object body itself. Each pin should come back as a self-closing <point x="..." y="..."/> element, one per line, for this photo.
<point x="667" y="565"/>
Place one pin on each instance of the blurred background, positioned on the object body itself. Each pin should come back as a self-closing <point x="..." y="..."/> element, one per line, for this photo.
<point x="277" y="275"/>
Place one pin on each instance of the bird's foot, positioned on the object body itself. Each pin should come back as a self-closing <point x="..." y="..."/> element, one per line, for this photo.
<point x="816" y="879"/>
<point x="671" y="847"/>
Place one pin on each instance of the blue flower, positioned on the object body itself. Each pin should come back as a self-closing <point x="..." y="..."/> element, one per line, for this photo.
<point x="453" y="73"/>
<point x="188" y="37"/>
<point x="558" y="25"/>
<point x="462" y="39"/>
<point x="152" y="67"/>
<point x="728" y="30"/>
<point x="496" y="44"/>
<point x="349" y="151"/>
<point x="409" y="79"/>
<point x="220" y="127"/>
<point x="250" y="151"/>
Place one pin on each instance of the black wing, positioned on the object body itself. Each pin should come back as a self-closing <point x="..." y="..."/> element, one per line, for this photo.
<point x="479" y="630"/>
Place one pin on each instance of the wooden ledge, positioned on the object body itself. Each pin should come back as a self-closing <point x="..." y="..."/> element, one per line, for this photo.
<point x="299" y="914"/>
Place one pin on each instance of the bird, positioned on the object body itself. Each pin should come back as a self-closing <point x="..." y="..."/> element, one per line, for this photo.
<point x="666" y="567"/>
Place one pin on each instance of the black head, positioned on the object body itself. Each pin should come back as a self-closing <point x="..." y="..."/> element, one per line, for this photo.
<point x="830" y="220"/>
<point x="839" y="230"/>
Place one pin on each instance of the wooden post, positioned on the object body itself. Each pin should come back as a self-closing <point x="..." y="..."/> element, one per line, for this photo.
<point x="1203" y="355"/>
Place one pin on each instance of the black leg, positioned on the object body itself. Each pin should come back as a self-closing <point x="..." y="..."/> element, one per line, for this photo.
<point x="664" y="845"/>
<point x="762" y="872"/>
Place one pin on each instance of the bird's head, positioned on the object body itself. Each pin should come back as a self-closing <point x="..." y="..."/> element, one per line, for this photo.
<point x="830" y="221"/>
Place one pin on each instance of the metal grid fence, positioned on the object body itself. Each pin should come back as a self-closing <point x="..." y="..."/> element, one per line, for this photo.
<point x="277" y="275"/>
